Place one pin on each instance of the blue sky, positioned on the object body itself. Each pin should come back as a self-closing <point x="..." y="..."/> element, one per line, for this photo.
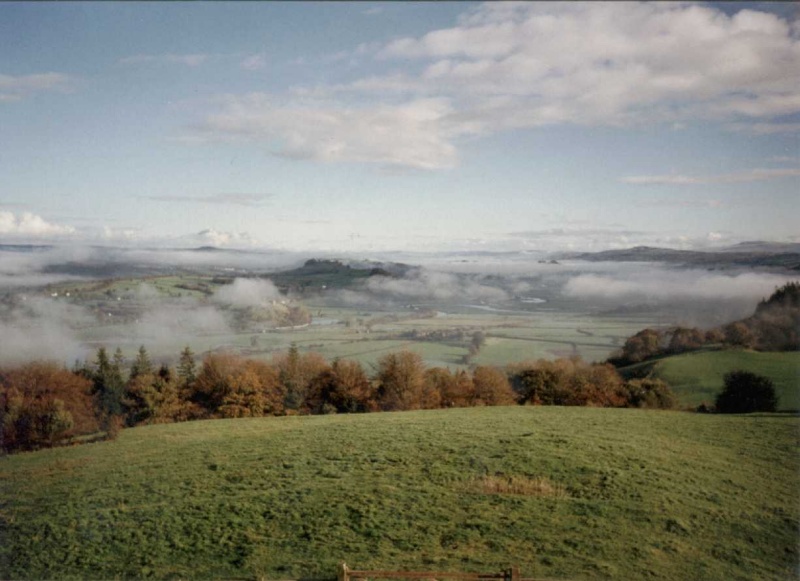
<point x="408" y="126"/>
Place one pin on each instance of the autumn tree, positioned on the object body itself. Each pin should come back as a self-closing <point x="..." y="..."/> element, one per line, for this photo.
<point x="400" y="381"/>
<point x="491" y="387"/>
<point x="683" y="339"/>
<point x="739" y="334"/>
<point x="295" y="372"/>
<point x="231" y="386"/>
<point x="343" y="388"/>
<point x="43" y="404"/>
<point x="254" y="390"/>
<point x="643" y="345"/>
<point x="438" y="389"/>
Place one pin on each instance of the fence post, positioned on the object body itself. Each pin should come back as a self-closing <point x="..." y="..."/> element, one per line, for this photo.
<point x="342" y="573"/>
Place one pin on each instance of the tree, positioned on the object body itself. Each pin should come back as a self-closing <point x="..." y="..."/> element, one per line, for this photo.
<point x="400" y="381"/>
<point x="491" y="387"/>
<point x="684" y="339"/>
<point x="452" y="390"/>
<point x="343" y="388"/>
<point x="644" y="344"/>
<point x="108" y="385"/>
<point x="43" y="404"/>
<point x="649" y="393"/>
<point x="739" y="334"/>
<point x="746" y="392"/>
<point x="187" y="369"/>
<point x="295" y="372"/>
<point x="142" y="364"/>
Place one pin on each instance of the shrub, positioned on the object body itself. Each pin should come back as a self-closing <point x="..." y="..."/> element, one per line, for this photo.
<point x="746" y="392"/>
<point x="649" y="393"/>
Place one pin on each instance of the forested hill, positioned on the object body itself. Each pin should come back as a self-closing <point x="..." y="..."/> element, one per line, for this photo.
<point x="752" y="254"/>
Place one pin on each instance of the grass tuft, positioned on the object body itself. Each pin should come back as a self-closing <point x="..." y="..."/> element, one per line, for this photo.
<point x="539" y="486"/>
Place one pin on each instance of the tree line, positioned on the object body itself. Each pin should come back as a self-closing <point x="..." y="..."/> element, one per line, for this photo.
<point x="44" y="404"/>
<point x="774" y="326"/>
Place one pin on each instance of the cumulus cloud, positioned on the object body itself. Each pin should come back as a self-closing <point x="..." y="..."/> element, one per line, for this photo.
<point x="753" y="175"/>
<point x="607" y="63"/>
<point x="211" y="237"/>
<point x="120" y="234"/>
<point x="246" y="292"/>
<point x="32" y="225"/>
<point x="412" y="134"/>
<point x="526" y="65"/>
<point x="15" y="88"/>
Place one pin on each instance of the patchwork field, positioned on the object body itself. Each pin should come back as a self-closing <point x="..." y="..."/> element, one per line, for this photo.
<point x="166" y="313"/>
<point x="573" y="493"/>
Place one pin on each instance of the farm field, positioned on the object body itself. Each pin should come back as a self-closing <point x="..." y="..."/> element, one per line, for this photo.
<point x="361" y="333"/>
<point x="698" y="377"/>
<point x="573" y="493"/>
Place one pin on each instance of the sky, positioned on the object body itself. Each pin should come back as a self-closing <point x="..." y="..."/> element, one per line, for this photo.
<point x="399" y="126"/>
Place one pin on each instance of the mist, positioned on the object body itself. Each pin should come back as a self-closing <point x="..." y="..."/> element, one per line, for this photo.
<point x="245" y="292"/>
<point x="691" y="297"/>
<point x="41" y="328"/>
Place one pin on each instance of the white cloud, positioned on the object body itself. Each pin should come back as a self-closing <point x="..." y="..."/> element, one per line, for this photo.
<point x="608" y="63"/>
<point x="189" y="60"/>
<point x="120" y="234"/>
<point x="412" y="134"/>
<point x="753" y="175"/>
<point x="211" y="237"/>
<point x="524" y="65"/>
<point x="15" y="88"/>
<point x="254" y="62"/>
<point x="28" y="224"/>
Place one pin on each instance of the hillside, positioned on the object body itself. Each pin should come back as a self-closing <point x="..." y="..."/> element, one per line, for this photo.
<point x="697" y="377"/>
<point x="784" y="256"/>
<point x="562" y="492"/>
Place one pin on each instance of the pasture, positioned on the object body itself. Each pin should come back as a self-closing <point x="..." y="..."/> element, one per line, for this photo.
<point x="573" y="493"/>
<point x="698" y="377"/>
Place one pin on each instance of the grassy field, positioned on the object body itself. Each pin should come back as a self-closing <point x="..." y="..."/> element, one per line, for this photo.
<point x="563" y="492"/>
<point x="698" y="377"/>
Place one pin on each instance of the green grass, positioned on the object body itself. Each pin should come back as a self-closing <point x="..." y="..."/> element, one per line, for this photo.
<point x="698" y="377"/>
<point x="562" y="492"/>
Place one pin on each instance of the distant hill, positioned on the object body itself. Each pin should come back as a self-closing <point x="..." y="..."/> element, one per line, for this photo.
<point x="320" y="274"/>
<point x="24" y="247"/>
<point x="751" y="254"/>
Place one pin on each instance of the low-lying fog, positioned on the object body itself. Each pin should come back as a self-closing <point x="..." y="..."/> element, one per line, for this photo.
<point x="35" y="325"/>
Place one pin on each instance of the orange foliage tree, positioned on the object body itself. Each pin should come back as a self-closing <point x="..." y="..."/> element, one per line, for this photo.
<point x="43" y="404"/>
